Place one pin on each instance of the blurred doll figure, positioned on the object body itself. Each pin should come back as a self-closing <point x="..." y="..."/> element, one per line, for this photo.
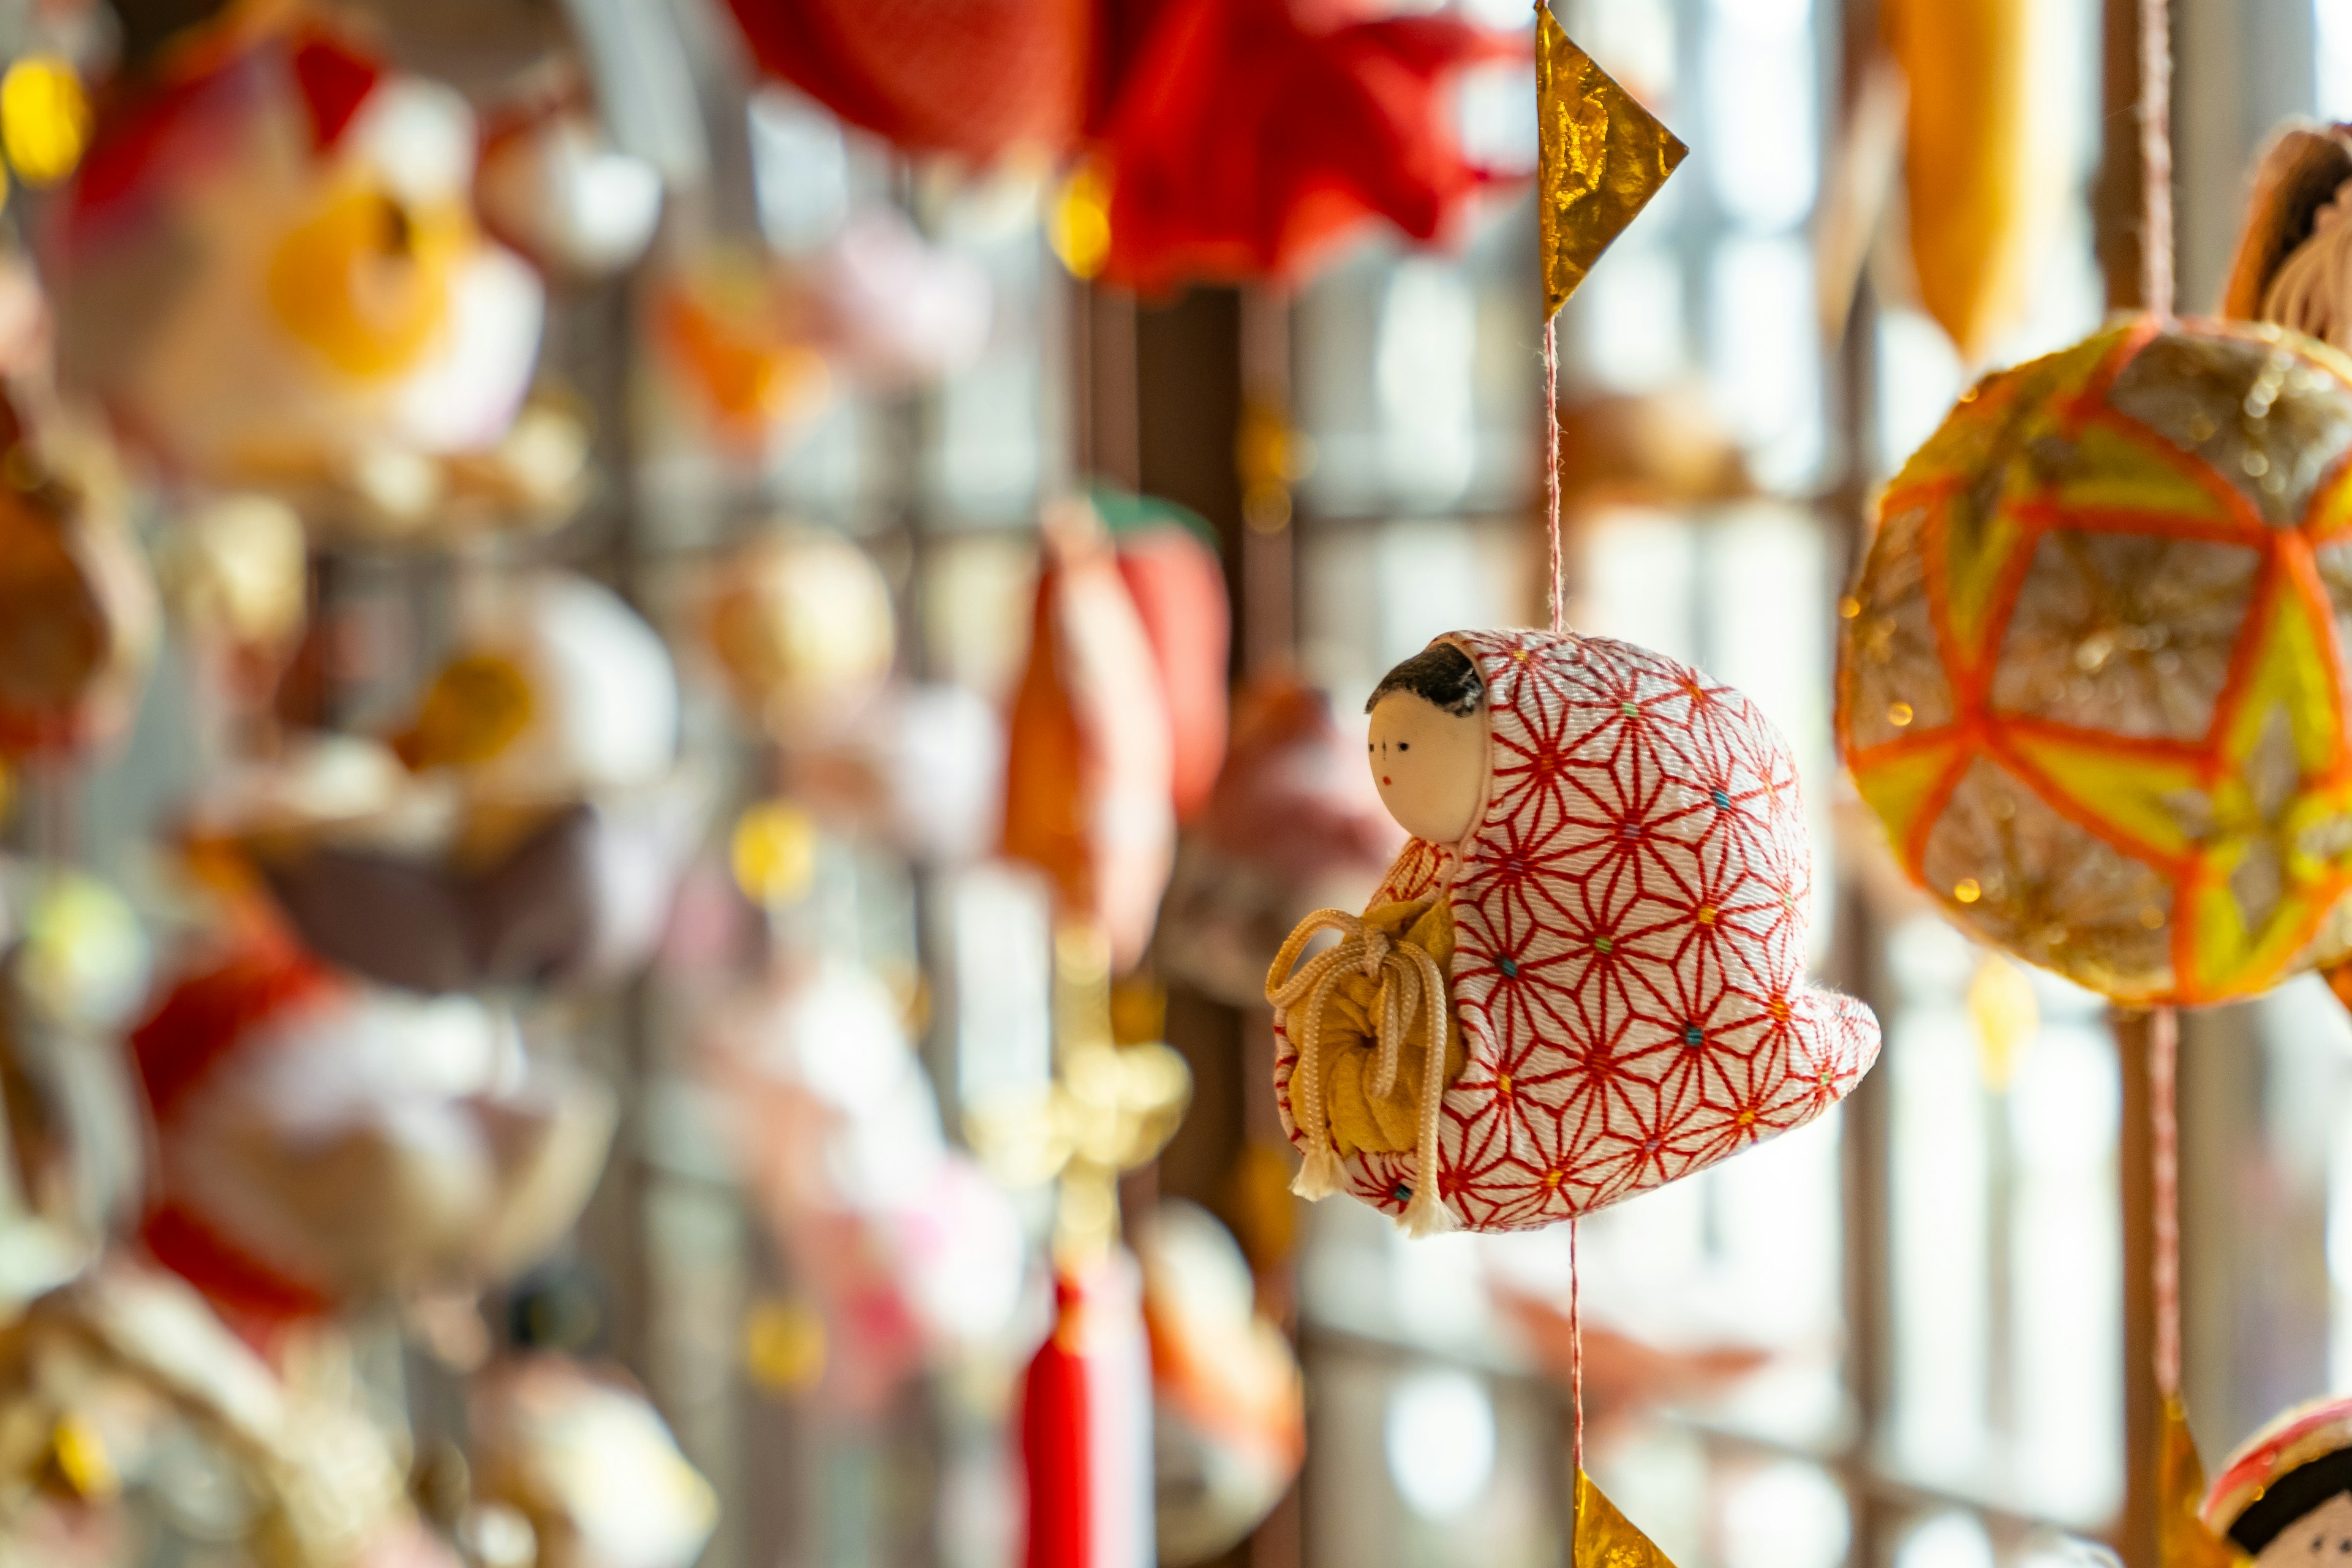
<point x="271" y="274"/>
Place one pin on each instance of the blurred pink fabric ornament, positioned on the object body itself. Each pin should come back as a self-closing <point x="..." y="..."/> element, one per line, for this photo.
<point x="910" y="1252"/>
<point x="892" y="309"/>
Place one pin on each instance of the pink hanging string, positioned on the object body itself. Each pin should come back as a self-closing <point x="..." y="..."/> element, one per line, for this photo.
<point x="1551" y="469"/>
<point x="2164" y="1024"/>
<point x="2156" y="154"/>
<point x="2164" y="1182"/>
<point x="1575" y="1355"/>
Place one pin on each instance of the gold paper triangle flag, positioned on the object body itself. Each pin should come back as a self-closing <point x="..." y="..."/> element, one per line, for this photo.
<point x="1607" y="1539"/>
<point x="1602" y="157"/>
<point x="2182" y="1539"/>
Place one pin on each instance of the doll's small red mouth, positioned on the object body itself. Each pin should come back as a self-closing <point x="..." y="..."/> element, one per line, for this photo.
<point x="1386" y="781"/>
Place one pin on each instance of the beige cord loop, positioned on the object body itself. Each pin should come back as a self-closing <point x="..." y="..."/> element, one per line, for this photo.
<point x="2312" y="290"/>
<point x="1409" y="978"/>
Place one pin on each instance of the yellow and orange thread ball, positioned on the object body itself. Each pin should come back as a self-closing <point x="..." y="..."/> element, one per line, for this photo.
<point x="2092" y="678"/>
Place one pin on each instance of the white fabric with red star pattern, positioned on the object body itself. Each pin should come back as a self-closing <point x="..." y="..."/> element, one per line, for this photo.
<point x="1631" y="917"/>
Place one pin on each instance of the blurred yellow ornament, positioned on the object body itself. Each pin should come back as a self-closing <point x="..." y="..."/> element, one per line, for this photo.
<point x="1984" y="193"/>
<point x="783" y="1345"/>
<point x="83" y="958"/>
<point x="1138" y="1010"/>
<point x="774" y="852"/>
<point x="366" y="280"/>
<point x="2002" y="1006"/>
<point x="82" y="1460"/>
<point x="1601" y="159"/>
<point x="474" y="709"/>
<point x="44" y="118"/>
<point x="1078" y="228"/>
<point x="1259" y="1206"/>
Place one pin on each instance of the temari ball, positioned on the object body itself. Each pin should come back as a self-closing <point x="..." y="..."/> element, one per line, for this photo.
<point x="2093" y="676"/>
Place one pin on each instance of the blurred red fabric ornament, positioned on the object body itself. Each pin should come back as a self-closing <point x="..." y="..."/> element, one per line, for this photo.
<point x="1247" y="139"/>
<point x="198" y="1024"/>
<point x="978" y="77"/>
<point x="318" y="1144"/>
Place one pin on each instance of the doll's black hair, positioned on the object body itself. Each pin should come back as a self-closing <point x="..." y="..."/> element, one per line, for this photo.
<point x="1440" y="675"/>
<point x="2289" y="1497"/>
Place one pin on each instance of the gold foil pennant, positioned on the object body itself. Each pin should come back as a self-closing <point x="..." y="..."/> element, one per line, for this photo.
<point x="1602" y="157"/>
<point x="2182" y="1539"/>
<point x="1605" y="1538"/>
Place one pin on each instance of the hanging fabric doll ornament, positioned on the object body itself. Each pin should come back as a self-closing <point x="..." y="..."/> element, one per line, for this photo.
<point x="2091" y="678"/>
<point x="1584" y="976"/>
<point x="551" y="185"/>
<point x="800" y="624"/>
<point x="318" y="1144"/>
<point x="582" y="1456"/>
<point x="531" y="827"/>
<point x="1228" y="1408"/>
<point x="1168" y="555"/>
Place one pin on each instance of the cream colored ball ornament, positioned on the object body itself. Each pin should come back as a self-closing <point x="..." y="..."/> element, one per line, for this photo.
<point x="801" y="625"/>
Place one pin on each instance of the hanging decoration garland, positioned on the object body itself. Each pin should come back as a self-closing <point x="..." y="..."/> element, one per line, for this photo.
<point x="2091" y="679"/>
<point x="1584" y="977"/>
<point x="1601" y="909"/>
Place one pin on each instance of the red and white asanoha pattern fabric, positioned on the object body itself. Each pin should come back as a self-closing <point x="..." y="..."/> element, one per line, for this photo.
<point x="1630" y="926"/>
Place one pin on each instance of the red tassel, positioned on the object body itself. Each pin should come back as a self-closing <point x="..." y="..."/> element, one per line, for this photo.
<point x="1086" y="1425"/>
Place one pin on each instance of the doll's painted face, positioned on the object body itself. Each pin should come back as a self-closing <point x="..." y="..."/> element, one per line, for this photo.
<point x="1428" y="743"/>
<point x="2323" y="1535"/>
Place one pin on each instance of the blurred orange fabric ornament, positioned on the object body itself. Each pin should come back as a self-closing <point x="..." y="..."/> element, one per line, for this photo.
<point x="728" y="335"/>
